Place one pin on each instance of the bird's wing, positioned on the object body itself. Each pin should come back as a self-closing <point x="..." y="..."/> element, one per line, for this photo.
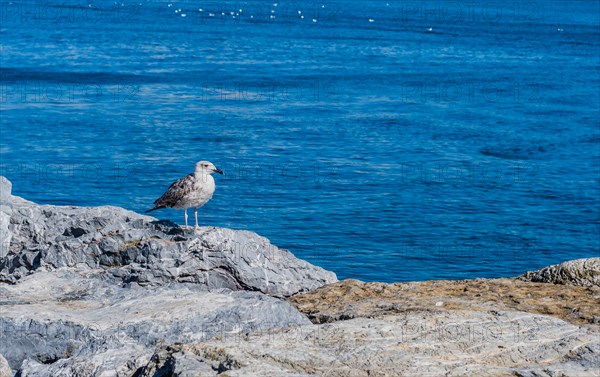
<point x="177" y="191"/>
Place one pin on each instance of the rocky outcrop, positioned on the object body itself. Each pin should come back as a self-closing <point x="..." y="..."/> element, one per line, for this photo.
<point x="96" y="291"/>
<point x="108" y="292"/>
<point x="581" y="272"/>
<point x="496" y="327"/>
<point x="140" y="249"/>
<point x="416" y="343"/>
<point x="68" y="322"/>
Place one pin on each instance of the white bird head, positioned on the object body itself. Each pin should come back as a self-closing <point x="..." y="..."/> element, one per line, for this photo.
<point x="206" y="168"/>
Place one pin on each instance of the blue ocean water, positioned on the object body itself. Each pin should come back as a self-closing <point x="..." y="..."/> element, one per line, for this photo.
<point x="386" y="141"/>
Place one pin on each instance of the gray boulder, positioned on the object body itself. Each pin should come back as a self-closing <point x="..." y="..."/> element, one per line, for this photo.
<point x="67" y="323"/>
<point x="579" y="272"/>
<point x="136" y="248"/>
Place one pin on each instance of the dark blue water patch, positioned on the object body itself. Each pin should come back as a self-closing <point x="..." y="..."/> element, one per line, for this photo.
<point x="515" y="153"/>
<point x="13" y="75"/>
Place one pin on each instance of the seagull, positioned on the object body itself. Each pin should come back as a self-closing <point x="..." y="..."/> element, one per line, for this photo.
<point x="193" y="190"/>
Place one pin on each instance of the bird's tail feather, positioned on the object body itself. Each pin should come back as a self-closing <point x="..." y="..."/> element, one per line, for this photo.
<point x="153" y="209"/>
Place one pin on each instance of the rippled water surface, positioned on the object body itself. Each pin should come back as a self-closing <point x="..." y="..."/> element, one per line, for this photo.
<point x="384" y="141"/>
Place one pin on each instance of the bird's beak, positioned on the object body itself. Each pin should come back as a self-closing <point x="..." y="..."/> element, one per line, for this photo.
<point x="218" y="171"/>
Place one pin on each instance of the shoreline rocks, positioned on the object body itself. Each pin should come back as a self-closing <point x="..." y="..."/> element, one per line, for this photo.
<point x="62" y="320"/>
<point x="418" y="343"/>
<point x="350" y="298"/>
<point x="96" y="291"/>
<point x="139" y="249"/>
<point x="107" y="292"/>
<point x="481" y="327"/>
<point x="579" y="272"/>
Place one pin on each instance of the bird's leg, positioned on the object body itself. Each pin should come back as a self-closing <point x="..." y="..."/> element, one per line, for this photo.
<point x="196" y="216"/>
<point x="185" y="216"/>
